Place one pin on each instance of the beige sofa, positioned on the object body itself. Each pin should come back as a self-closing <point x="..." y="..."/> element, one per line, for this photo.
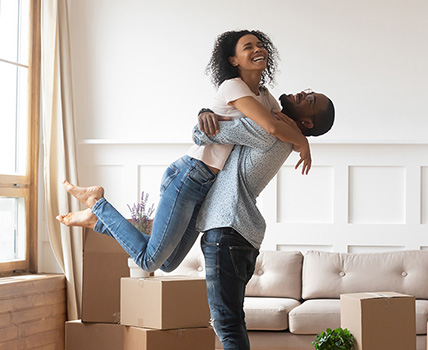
<point x="292" y="297"/>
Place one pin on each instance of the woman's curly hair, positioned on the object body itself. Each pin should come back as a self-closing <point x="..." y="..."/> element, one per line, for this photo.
<point x="220" y="69"/>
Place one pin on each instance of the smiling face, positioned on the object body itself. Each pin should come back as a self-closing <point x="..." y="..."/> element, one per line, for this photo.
<point x="305" y="109"/>
<point x="250" y="54"/>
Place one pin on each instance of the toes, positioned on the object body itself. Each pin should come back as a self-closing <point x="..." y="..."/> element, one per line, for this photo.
<point x="68" y="185"/>
<point x="61" y="219"/>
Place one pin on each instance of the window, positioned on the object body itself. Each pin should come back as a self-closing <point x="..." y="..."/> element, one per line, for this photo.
<point x="19" y="133"/>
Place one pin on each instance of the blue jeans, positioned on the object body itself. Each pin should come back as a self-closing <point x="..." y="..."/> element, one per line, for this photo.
<point x="230" y="261"/>
<point x="184" y="186"/>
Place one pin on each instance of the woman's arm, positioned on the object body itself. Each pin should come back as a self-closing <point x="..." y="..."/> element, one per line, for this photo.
<point x="208" y="121"/>
<point x="284" y="128"/>
<point x="256" y="111"/>
<point x="277" y="127"/>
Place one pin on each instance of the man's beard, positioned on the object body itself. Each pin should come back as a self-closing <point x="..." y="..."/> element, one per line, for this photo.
<point x="287" y="111"/>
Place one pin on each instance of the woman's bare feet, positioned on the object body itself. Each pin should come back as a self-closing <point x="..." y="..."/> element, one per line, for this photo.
<point x="84" y="218"/>
<point x="86" y="195"/>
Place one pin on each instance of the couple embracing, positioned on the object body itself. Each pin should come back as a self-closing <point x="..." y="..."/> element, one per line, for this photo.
<point x="240" y="145"/>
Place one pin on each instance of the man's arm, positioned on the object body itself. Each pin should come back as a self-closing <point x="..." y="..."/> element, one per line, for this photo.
<point x="242" y="131"/>
<point x="246" y="132"/>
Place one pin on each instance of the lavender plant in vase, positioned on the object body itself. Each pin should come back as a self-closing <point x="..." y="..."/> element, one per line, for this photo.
<point x="142" y="219"/>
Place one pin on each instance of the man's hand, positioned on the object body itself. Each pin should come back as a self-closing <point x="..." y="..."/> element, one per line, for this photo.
<point x="305" y="158"/>
<point x="208" y="123"/>
<point x="305" y="151"/>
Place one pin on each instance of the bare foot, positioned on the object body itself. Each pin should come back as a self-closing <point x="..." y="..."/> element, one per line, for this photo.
<point x="86" y="195"/>
<point x="84" y="218"/>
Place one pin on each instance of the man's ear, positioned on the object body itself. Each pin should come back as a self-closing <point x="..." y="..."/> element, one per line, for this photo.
<point x="307" y="123"/>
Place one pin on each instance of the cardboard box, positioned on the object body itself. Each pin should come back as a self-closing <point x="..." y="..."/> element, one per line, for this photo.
<point x="104" y="264"/>
<point x="164" y="302"/>
<point x="384" y="320"/>
<point x="90" y="336"/>
<point x="176" y="339"/>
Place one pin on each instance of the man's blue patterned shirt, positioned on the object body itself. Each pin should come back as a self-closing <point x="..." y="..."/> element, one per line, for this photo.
<point x="254" y="161"/>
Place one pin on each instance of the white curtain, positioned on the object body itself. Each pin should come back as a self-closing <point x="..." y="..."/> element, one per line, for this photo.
<point x="59" y="146"/>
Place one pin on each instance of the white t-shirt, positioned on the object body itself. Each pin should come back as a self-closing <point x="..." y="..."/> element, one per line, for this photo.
<point x="215" y="155"/>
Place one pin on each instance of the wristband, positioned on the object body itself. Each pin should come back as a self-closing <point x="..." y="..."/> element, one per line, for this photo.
<point x="203" y="110"/>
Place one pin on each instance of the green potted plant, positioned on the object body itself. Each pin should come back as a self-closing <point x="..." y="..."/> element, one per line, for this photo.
<point x="338" y="339"/>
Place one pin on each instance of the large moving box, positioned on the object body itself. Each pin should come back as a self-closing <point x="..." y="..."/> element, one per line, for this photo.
<point x="91" y="336"/>
<point x="104" y="263"/>
<point x="175" y="339"/>
<point x="164" y="302"/>
<point x="383" y="320"/>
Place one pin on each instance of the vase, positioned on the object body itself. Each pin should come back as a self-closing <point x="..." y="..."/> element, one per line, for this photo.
<point x="135" y="270"/>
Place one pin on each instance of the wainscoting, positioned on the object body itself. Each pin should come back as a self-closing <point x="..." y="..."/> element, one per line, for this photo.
<point x="358" y="197"/>
<point x="32" y="312"/>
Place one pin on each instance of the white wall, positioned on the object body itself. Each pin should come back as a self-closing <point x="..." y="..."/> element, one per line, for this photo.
<point x="138" y="76"/>
<point x="358" y="197"/>
<point x="138" y="65"/>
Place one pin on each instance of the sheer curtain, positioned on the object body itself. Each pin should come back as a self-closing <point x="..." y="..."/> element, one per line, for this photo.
<point x="59" y="146"/>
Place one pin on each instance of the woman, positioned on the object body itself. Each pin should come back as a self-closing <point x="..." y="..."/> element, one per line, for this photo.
<point x="241" y="63"/>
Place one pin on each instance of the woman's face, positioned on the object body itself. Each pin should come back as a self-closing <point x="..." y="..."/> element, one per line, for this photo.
<point x="250" y="54"/>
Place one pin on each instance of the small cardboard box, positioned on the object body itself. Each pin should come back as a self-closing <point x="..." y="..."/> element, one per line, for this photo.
<point x="164" y="302"/>
<point x="104" y="264"/>
<point x="90" y="336"/>
<point x="384" y="320"/>
<point x="176" y="339"/>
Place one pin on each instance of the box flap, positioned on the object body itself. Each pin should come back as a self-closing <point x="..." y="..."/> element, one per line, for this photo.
<point x="171" y="278"/>
<point x="375" y="295"/>
<point x="96" y="242"/>
<point x="105" y="262"/>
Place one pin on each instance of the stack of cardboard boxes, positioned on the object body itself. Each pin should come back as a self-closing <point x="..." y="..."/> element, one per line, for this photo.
<point x="119" y="312"/>
<point x="104" y="264"/>
<point x="171" y="313"/>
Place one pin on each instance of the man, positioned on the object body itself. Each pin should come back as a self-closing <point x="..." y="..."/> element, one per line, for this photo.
<point x="233" y="226"/>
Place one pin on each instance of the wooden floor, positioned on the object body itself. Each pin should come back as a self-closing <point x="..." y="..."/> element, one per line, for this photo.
<point x="32" y="312"/>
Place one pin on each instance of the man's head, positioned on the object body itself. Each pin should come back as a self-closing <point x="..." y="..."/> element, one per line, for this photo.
<point x="312" y="112"/>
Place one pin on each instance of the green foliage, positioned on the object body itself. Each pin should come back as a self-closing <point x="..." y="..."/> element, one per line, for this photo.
<point x="338" y="339"/>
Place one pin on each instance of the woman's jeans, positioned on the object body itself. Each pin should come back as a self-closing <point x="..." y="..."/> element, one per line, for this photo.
<point x="183" y="188"/>
<point x="230" y="261"/>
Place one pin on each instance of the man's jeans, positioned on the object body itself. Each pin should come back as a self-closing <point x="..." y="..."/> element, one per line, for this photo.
<point x="230" y="261"/>
<point x="183" y="188"/>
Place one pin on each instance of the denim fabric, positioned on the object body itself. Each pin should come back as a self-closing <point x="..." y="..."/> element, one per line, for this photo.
<point x="184" y="186"/>
<point x="230" y="261"/>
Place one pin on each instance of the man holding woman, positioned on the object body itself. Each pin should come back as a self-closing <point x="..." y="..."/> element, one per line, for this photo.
<point x="241" y="63"/>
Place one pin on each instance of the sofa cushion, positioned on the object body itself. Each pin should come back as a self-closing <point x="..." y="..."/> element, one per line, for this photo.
<point x="314" y="316"/>
<point x="277" y="274"/>
<point x="327" y="275"/>
<point x="421" y="316"/>
<point x="269" y="314"/>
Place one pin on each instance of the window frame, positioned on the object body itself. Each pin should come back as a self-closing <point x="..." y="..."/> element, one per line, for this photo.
<point x="27" y="185"/>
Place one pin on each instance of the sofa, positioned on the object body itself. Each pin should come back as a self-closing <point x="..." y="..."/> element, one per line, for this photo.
<point x="292" y="297"/>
